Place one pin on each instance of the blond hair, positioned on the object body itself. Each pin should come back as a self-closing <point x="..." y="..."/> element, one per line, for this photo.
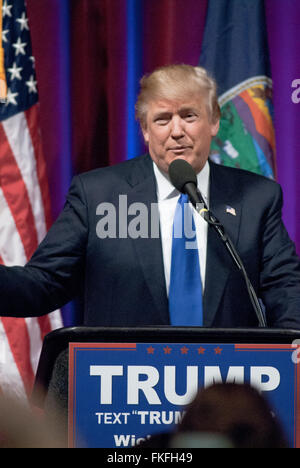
<point x="176" y="82"/>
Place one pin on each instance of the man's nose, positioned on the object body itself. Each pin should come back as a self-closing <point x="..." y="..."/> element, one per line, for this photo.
<point x="177" y="128"/>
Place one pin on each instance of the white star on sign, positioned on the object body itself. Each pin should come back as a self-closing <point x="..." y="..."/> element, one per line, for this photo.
<point x="23" y="22"/>
<point x="15" y="72"/>
<point x="19" y="46"/>
<point x="10" y="98"/>
<point x="6" y="9"/>
<point x="31" y="85"/>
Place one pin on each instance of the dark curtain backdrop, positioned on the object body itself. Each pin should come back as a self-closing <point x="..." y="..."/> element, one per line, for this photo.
<point x="90" y="56"/>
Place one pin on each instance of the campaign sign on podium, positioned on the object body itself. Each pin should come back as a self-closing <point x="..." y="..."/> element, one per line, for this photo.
<point x="120" y="393"/>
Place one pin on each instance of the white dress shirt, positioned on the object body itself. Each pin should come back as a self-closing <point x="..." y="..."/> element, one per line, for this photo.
<point x="167" y="197"/>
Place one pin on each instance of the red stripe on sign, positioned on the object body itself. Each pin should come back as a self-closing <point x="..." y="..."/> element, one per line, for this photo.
<point x="19" y="342"/>
<point x="102" y="345"/>
<point x="32" y="117"/>
<point x="272" y="347"/>
<point x="16" y="195"/>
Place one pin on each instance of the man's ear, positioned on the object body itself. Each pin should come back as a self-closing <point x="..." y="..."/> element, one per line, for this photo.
<point x="215" y="128"/>
<point x="145" y="133"/>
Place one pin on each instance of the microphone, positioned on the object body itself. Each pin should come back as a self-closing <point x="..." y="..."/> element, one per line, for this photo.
<point x="184" y="179"/>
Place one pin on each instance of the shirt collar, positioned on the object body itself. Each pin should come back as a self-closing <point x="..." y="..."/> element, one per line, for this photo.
<point x="166" y="190"/>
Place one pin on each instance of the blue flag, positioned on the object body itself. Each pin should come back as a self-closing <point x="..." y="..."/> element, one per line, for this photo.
<point x="235" y="52"/>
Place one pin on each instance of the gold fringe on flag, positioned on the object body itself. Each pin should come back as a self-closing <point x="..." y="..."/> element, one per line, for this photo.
<point x="3" y="84"/>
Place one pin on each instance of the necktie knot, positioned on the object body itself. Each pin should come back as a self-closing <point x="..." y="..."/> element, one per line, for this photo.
<point x="183" y="225"/>
<point x="183" y="198"/>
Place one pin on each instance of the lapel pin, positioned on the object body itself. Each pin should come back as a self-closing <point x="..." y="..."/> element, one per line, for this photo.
<point x="230" y="210"/>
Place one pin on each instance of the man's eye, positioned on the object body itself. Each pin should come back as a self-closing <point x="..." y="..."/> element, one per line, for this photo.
<point x="162" y="121"/>
<point x="190" y="117"/>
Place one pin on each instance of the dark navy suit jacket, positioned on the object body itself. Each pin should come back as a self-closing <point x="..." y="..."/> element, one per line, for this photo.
<point x="122" y="279"/>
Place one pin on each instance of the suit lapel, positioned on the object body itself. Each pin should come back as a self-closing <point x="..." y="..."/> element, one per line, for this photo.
<point x="226" y="205"/>
<point x="149" y="250"/>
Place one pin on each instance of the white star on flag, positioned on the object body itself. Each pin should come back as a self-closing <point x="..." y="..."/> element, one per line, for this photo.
<point x="31" y="85"/>
<point x="10" y="98"/>
<point x="33" y="60"/>
<point x="20" y="47"/>
<point x="15" y="72"/>
<point x="23" y="22"/>
<point x="6" y="9"/>
<point x="4" y="38"/>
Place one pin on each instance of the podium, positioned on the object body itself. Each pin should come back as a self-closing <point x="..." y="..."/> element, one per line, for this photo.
<point x="112" y="387"/>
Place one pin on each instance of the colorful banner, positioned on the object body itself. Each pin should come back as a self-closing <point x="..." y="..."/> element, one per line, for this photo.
<point x="235" y="51"/>
<point x="121" y="393"/>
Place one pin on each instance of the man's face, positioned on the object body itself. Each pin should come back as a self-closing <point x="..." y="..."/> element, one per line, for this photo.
<point x="179" y="129"/>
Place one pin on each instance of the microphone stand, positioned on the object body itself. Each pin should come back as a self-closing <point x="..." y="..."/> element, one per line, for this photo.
<point x="202" y="209"/>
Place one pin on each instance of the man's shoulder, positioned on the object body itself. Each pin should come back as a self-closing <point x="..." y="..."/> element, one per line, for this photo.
<point x="242" y="177"/>
<point x="118" y="169"/>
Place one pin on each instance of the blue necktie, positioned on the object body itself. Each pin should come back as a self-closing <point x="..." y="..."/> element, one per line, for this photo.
<point x="185" y="294"/>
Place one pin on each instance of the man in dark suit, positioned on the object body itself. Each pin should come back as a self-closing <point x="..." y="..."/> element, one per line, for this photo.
<point x="111" y="243"/>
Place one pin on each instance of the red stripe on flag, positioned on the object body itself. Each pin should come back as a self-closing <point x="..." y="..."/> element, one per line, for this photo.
<point x="16" y="195"/>
<point x="19" y="341"/>
<point x="45" y="325"/>
<point x="17" y="336"/>
<point x="32" y="117"/>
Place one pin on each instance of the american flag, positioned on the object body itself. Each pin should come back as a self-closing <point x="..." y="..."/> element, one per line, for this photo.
<point x="24" y="196"/>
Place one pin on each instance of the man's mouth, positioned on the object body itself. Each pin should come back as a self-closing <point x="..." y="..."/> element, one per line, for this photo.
<point x="179" y="149"/>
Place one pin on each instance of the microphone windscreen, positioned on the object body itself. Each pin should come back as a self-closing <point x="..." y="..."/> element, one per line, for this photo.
<point x="180" y="173"/>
